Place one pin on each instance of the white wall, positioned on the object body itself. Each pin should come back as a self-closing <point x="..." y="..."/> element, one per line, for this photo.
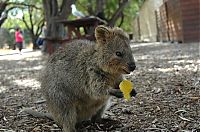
<point x="147" y="21"/>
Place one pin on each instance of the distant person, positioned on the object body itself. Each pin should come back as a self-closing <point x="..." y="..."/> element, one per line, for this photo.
<point x="40" y="40"/>
<point x="19" y="39"/>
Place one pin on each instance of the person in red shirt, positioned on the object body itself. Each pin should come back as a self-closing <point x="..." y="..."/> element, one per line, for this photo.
<point x="19" y="39"/>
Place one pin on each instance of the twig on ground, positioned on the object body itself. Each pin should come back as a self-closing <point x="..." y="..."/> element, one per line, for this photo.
<point x="194" y="97"/>
<point x="40" y="101"/>
<point x="185" y="119"/>
<point x="182" y="111"/>
<point x="152" y="128"/>
<point x="127" y="126"/>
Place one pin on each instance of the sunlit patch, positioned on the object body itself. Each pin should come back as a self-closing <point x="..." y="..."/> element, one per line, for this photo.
<point x="185" y="61"/>
<point x="134" y="45"/>
<point x="144" y="57"/>
<point x="39" y="67"/>
<point x="27" y="54"/>
<point x="33" y="83"/>
<point x="2" y="89"/>
<point x="166" y="69"/>
<point x="191" y="67"/>
<point x="31" y="59"/>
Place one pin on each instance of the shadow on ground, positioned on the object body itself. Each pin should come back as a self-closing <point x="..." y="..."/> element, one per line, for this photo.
<point x="167" y="79"/>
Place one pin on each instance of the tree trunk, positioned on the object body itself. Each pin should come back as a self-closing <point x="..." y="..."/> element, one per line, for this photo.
<point x="100" y="6"/>
<point x="53" y="13"/>
<point x="35" y="46"/>
<point x="3" y="17"/>
<point x="34" y="41"/>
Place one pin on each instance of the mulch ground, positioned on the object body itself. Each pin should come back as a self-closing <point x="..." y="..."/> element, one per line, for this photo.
<point x="167" y="80"/>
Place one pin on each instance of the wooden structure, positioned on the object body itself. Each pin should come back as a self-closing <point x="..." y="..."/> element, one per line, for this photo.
<point x="74" y="31"/>
<point x="179" y="20"/>
<point x="88" y="25"/>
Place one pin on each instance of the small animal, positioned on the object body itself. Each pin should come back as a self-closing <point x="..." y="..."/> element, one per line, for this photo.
<point x="79" y="79"/>
<point x="76" y="12"/>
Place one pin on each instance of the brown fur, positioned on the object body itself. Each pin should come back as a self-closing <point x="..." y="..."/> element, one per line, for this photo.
<point x="77" y="79"/>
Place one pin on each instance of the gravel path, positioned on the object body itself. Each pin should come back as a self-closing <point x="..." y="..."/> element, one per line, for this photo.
<point x="167" y="79"/>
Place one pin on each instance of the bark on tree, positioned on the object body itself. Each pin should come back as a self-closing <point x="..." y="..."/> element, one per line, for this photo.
<point x="53" y="13"/>
<point x="100" y="6"/>
<point x="3" y="14"/>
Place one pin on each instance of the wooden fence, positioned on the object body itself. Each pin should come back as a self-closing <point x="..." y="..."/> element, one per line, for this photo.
<point x="179" y="20"/>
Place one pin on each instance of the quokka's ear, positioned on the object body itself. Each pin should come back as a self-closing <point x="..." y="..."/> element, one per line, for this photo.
<point x="101" y="34"/>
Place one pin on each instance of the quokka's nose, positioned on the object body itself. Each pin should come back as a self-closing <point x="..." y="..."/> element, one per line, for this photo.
<point x="131" y="66"/>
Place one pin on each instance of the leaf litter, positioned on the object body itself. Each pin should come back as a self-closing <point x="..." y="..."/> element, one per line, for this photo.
<point x="167" y="79"/>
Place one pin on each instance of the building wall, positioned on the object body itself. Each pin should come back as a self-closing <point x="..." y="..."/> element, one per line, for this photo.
<point x="179" y="21"/>
<point x="145" y="27"/>
<point x="190" y="13"/>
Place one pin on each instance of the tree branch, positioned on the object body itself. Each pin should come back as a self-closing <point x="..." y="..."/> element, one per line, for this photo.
<point x="39" y="28"/>
<point x="122" y="19"/>
<point x="30" y="17"/>
<point x="66" y="8"/>
<point x="117" y="13"/>
<point x="26" y="24"/>
<point x="16" y="4"/>
<point x="2" y="7"/>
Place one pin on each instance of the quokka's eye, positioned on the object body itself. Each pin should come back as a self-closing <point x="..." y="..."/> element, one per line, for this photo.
<point x="119" y="54"/>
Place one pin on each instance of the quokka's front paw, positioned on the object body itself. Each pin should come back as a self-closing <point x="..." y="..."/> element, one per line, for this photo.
<point x="118" y="93"/>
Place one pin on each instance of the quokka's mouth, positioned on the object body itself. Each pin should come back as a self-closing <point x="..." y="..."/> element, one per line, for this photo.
<point x="126" y="71"/>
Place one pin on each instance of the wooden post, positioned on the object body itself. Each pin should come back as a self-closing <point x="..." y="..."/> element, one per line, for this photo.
<point x="157" y="27"/>
<point x="138" y="23"/>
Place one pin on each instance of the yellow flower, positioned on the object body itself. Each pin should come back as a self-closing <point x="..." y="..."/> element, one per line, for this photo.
<point x="126" y="87"/>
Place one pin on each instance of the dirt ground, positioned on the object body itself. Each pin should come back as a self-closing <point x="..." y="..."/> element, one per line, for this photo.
<point x="167" y="80"/>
